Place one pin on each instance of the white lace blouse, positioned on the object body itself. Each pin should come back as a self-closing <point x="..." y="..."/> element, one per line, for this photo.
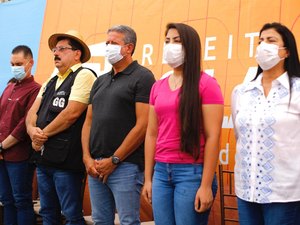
<point x="267" y="129"/>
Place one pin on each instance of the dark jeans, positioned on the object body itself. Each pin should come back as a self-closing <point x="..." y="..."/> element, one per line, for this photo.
<point x="286" y="213"/>
<point x="60" y="192"/>
<point x="16" y="192"/>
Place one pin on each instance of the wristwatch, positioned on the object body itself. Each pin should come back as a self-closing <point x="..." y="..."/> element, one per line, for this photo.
<point x="115" y="160"/>
<point x="1" y="149"/>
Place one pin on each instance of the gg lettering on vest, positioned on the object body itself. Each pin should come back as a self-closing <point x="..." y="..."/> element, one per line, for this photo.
<point x="59" y="102"/>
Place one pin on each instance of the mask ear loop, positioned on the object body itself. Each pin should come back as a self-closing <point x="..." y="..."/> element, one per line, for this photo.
<point x="287" y="52"/>
<point x="283" y="58"/>
<point x="26" y="65"/>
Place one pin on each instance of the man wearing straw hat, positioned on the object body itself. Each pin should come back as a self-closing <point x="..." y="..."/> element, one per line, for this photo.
<point x="54" y="124"/>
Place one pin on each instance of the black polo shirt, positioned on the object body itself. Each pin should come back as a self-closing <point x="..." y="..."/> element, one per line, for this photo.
<point x="113" y="99"/>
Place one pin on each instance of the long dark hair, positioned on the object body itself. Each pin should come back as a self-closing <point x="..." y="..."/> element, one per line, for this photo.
<point x="189" y="104"/>
<point x="291" y="63"/>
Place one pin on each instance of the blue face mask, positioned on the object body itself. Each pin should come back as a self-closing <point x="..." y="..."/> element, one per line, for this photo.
<point x="18" y="72"/>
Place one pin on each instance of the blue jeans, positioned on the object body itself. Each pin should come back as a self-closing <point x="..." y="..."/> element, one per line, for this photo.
<point x="60" y="192"/>
<point x="251" y="213"/>
<point x="174" y="188"/>
<point x="16" y="192"/>
<point x="121" y="191"/>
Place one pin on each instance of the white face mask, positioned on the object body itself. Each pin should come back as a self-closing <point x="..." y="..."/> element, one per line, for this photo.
<point x="173" y="54"/>
<point x="267" y="55"/>
<point x="113" y="53"/>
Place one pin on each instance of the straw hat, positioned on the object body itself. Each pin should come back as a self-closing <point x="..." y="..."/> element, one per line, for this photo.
<point x="72" y="34"/>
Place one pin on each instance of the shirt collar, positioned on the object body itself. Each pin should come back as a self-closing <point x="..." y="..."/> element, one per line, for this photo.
<point x="72" y="69"/>
<point x="128" y="70"/>
<point x="24" y="81"/>
<point x="283" y="79"/>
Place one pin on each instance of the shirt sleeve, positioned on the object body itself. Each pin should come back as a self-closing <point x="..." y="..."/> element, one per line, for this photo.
<point x="144" y="86"/>
<point x="94" y="89"/>
<point x="153" y="94"/>
<point x="234" y="100"/>
<point x="40" y="94"/>
<point x="19" y="132"/>
<point x="210" y="91"/>
<point x="82" y="86"/>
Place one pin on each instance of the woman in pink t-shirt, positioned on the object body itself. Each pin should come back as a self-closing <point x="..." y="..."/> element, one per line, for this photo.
<point x="182" y="140"/>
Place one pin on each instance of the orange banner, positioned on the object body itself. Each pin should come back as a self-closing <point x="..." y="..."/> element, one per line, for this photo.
<point x="228" y="30"/>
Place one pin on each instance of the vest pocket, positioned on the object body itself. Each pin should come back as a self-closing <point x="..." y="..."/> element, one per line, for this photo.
<point x="56" y="150"/>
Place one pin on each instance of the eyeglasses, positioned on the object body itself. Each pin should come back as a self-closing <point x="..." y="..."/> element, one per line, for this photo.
<point x="61" y="49"/>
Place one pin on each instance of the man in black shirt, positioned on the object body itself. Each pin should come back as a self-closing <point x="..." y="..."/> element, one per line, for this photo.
<point x="114" y="131"/>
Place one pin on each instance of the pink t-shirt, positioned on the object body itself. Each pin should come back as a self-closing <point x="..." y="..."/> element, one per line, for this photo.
<point x="166" y="103"/>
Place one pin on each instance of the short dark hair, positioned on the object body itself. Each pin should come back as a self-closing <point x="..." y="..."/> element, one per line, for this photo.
<point x="23" y="48"/>
<point x="129" y="34"/>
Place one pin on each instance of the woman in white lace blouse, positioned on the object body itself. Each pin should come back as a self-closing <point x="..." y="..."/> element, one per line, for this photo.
<point x="266" y="116"/>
